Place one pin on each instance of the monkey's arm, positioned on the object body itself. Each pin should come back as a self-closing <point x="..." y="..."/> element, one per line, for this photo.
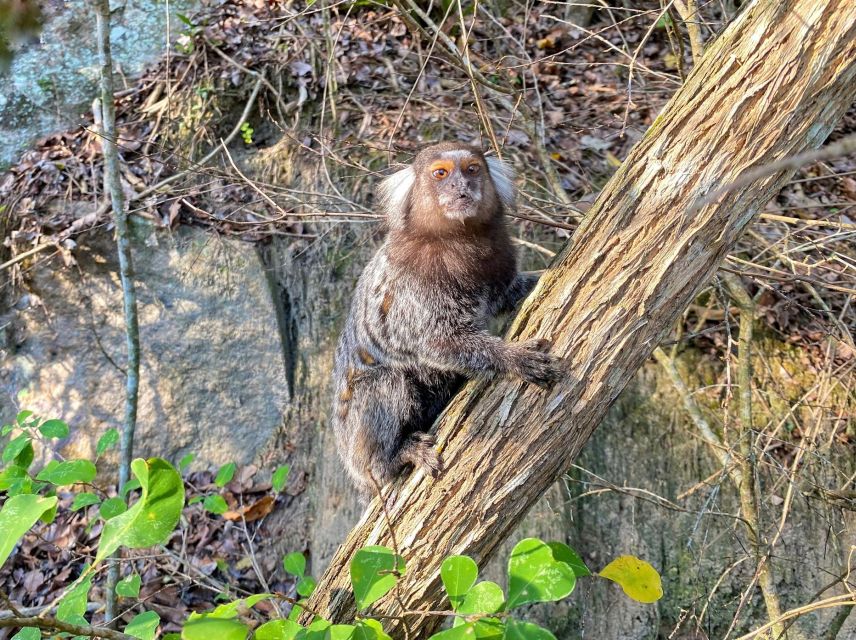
<point x="520" y="287"/>
<point x="473" y="352"/>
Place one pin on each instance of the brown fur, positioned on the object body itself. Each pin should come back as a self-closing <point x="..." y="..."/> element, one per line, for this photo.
<point x="418" y="322"/>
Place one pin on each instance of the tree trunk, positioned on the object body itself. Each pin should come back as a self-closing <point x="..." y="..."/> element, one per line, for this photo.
<point x="772" y="85"/>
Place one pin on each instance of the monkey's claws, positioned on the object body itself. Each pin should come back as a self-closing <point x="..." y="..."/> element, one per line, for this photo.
<point x="538" y="367"/>
<point x="420" y="452"/>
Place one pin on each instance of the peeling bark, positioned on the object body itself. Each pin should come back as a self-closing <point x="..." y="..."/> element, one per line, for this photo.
<point x="772" y="85"/>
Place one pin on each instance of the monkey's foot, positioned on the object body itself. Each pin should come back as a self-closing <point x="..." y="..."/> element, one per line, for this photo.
<point x="419" y="451"/>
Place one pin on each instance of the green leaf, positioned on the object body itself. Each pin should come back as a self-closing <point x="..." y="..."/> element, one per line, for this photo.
<point x="485" y="597"/>
<point x="143" y="625"/>
<point x="466" y="631"/>
<point x="215" y="504"/>
<point x="535" y="576"/>
<point x="48" y="516"/>
<point x="129" y="587"/>
<point x="203" y="627"/>
<point x="295" y="564"/>
<point x="279" y="477"/>
<point x="563" y="553"/>
<point x="15" y="480"/>
<point x="315" y="631"/>
<point x="519" y="630"/>
<point x="370" y="629"/>
<point x="277" y="630"/>
<point x="153" y="517"/>
<point x="458" y="574"/>
<point x="112" y="507"/>
<point x="184" y="19"/>
<point x="638" y="579"/>
<point x="185" y="461"/>
<point x="306" y="586"/>
<point x="84" y="499"/>
<point x="372" y="573"/>
<point x="296" y="610"/>
<point x="340" y="631"/>
<point x="25" y="458"/>
<point x="230" y="609"/>
<point x="54" y="429"/>
<point x="6" y="429"/>
<point x="490" y="629"/>
<point x="65" y="473"/>
<point x="172" y="636"/>
<point x="18" y="514"/>
<point x="22" y="416"/>
<point x="131" y="485"/>
<point x="195" y="499"/>
<point x="15" y="446"/>
<point x="225" y="474"/>
<point x="73" y="604"/>
<point x="28" y="633"/>
<point x="108" y="440"/>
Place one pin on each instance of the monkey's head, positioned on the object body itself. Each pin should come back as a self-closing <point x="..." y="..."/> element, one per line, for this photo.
<point x="448" y="185"/>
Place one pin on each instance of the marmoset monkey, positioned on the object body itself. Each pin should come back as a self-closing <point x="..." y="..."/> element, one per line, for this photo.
<point x="417" y="327"/>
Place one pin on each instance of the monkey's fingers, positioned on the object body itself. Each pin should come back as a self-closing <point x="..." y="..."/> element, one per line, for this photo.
<point x="537" y="367"/>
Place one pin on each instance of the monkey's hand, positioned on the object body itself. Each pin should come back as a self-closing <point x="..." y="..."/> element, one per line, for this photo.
<point x="534" y="365"/>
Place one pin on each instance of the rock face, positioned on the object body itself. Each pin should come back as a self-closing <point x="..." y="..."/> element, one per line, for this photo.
<point x="237" y="351"/>
<point x="54" y="78"/>
<point x="212" y="369"/>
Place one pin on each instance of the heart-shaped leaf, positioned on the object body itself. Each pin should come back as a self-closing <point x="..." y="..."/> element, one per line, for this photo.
<point x="129" y="587"/>
<point x="277" y="630"/>
<point x="563" y="553"/>
<point x="485" y="597"/>
<point x="519" y="630"/>
<point x="373" y="573"/>
<point x="295" y="564"/>
<point x="638" y="579"/>
<point x="534" y="575"/>
<point x="202" y="627"/>
<point x="458" y="574"/>
<point x="370" y="629"/>
<point x="143" y="625"/>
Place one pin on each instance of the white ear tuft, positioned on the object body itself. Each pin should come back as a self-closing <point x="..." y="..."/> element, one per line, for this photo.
<point x="503" y="180"/>
<point x="393" y="193"/>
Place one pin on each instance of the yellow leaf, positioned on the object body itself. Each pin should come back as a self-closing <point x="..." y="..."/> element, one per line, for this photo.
<point x="612" y="160"/>
<point x="638" y="579"/>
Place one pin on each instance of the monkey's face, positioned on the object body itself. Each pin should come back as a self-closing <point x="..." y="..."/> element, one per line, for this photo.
<point x="448" y="185"/>
<point x="456" y="179"/>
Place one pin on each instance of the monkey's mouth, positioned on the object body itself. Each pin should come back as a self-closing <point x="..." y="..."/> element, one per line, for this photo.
<point x="461" y="208"/>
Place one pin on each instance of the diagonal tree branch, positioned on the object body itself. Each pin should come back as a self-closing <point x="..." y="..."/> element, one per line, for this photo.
<point x="772" y="85"/>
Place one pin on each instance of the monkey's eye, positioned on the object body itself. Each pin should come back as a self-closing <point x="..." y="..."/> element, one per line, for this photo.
<point x="439" y="173"/>
<point x="473" y="169"/>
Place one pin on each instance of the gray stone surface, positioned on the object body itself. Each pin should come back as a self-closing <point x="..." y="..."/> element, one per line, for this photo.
<point x="212" y="371"/>
<point x="53" y="79"/>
